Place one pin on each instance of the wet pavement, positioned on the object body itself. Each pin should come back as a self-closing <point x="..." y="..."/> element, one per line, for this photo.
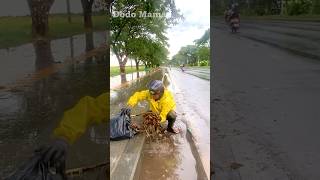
<point x="39" y="83"/>
<point x="264" y="108"/>
<point x="203" y="73"/>
<point x="193" y="100"/>
<point x="301" y="38"/>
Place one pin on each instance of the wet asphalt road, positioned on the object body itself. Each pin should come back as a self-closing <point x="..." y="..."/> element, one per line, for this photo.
<point x="265" y="105"/>
<point x="302" y="38"/>
<point x="203" y="73"/>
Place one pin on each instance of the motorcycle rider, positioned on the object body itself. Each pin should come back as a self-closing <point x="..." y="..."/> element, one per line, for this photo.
<point x="234" y="13"/>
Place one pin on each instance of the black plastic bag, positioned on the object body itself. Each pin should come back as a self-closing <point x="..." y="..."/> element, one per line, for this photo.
<point x="120" y="126"/>
<point x="36" y="169"/>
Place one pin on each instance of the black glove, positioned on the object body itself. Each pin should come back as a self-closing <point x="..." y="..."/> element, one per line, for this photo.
<point x="55" y="153"/>
<point x="125" y="111"/>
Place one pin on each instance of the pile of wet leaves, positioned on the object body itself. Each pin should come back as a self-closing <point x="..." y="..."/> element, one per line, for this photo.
<point x="151" y="125"/>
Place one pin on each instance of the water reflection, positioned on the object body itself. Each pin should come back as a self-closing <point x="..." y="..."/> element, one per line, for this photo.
<point x="117" y="81"/>
<point x="21" y="61"/>
<point x="123" y="78"/>
<point x="71" y="47"/>
<point x="29" y="115"/>
<point x="44" y="57"/>
<point x="89" y="41"/>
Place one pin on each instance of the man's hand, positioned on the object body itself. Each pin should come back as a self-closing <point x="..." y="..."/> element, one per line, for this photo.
<point x="56" y="152"/>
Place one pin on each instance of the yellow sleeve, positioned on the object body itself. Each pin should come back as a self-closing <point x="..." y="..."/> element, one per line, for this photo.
<point x="136" y="97"/>
<point x="76" y="120"/>
<point x="168" y="105"/>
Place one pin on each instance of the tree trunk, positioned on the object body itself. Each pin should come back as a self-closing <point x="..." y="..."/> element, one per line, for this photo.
<point x="137" y="66"/>
<point x="39" y="10"/>
<point x="123" y="73"/>
<point x="122" y="66"/>
<point x="87" y="13"/>
<point x="68" y="10"/>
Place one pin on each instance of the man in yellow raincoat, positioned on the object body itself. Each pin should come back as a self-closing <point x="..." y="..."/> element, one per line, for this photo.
<point x="161" y="101"/>
<point x="74" y="123"/>
<point x="91" y="110"/>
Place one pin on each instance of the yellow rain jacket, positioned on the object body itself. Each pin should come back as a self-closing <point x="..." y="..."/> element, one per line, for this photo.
<point x="76" y="120"/>
<point x="162" y="107"/>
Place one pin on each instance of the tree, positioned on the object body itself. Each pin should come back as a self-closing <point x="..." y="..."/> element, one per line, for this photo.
<point x="203" y="55"/>
<point x="39" y="10"/>
<point x="204" y="40"/>
<point x="316" y="7"/>
<point x="194" y="54"/>
<point x="124" y="30"/>
<point x="87" y="13"/>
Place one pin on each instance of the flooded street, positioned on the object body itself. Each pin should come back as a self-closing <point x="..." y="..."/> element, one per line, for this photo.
<point x="38" y="83"/>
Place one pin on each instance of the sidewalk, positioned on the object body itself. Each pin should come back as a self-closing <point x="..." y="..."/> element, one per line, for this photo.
<point x="125" y="158"/>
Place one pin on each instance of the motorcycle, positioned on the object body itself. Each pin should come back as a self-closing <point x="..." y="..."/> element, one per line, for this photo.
<point x="234" y="24"/>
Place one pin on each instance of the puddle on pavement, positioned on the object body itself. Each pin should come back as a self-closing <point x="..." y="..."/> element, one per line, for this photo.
<point x="30" y="112"/>
<point x="170" y="158"/>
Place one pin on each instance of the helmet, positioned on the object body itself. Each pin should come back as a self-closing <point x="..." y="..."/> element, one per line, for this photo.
<point x="156" y="86"/>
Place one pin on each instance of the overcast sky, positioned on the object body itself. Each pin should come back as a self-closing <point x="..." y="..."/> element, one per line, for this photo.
<point x="197" y="20"/>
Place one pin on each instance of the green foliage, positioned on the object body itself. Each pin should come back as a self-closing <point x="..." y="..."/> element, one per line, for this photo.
<point x="142" y="39"/>
<point x="298" y="7"/>
<point x="203" y="53"/>
<point x="204" y="40"/>
<point x="114" y="71"/>
<point x="194" y="55"/>
<point x="204" y="63"/>
<point x="17" y="30"/>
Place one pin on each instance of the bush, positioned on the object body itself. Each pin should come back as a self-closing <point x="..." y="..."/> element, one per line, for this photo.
<point x="298" y="7"/>
<point x="204" y="63"/>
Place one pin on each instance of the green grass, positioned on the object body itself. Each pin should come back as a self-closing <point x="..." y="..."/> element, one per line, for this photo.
<point x="17" y="30"/>
<point x="114" y="71"/>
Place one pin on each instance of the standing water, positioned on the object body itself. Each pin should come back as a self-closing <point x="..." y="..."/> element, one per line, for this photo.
<point x="40" y="81"/>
